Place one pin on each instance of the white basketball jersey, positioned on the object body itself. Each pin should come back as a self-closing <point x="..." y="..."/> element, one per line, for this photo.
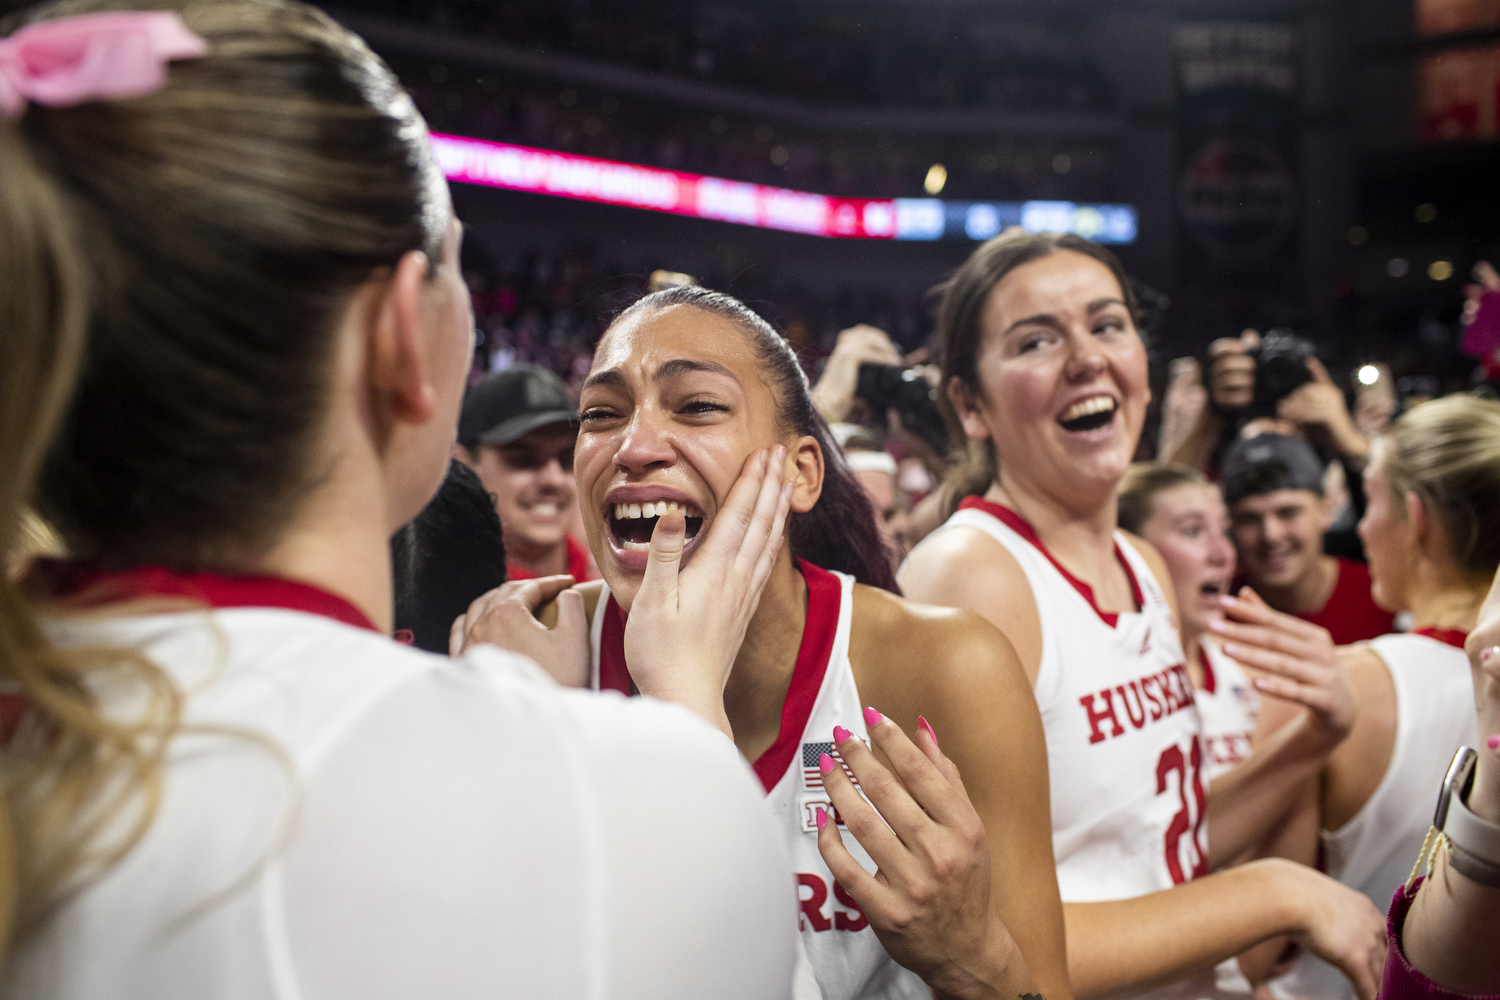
<point x="1229" y="705"/>
<point x="1124" y="748"/>
<point x="1375" y="850"/>
<point x="847" y="959"/>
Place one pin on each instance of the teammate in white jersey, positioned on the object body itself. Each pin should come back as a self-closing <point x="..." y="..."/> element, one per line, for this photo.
<point x="1432" y="532"/>
<point x="1045" y="374"/>
<point x="235" y="338"/>
<point x="685" y="386"/>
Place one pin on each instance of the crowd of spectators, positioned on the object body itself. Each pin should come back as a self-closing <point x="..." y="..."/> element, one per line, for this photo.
<point x="878" y="55"/>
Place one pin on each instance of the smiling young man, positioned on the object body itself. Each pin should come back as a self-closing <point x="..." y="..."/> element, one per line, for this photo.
<point x="517" y="432"/>
<point x="1274" y="487"/>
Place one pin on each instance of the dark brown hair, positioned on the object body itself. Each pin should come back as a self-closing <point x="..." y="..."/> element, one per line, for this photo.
<point x="174" y="269"/>
<point x="841" y="532"/>
<point x="960" y="332"/>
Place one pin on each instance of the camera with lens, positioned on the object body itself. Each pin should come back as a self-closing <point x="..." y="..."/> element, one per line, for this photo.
<point x="1280" y="369"/>
<point x="886" y="387"/>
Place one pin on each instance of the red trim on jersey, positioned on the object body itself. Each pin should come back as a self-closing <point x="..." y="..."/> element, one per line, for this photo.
<point x="94" y="586"/>
<point x="613" y="674"/>
<point x="1451" y="636"/>
<point x="1209" y="683"/>
<point x="1015" y="522"/>
<point x="822" y="626"/>
<point x="823" y="592"/>
<point x="578" y="564"/>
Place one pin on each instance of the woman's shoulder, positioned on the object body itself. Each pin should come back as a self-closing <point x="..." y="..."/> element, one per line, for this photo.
<point x="954" y="646"/>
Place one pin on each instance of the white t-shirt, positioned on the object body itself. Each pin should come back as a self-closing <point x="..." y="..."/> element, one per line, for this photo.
<point x="847" y="959"/>
<point x="402" y="825"/>
<point x="1375" y="850"/>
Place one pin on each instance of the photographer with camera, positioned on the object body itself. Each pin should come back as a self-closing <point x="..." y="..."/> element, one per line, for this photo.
<point x="1275" y="382"/>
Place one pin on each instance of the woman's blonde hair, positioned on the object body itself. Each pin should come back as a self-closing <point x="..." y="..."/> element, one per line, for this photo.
<point x="1447" y="452"/>
<point x="1140" y="485"/>
<point x="175" y="267"/>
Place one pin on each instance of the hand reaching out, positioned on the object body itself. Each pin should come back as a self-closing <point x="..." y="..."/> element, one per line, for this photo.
<point x="506" y="617"/>
<point x="687" y="623"/>
<point x="1300" y="656"/>
<point x="929" y="899"/>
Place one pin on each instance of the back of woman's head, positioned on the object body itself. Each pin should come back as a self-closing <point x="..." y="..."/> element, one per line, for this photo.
<point x="1142" y="483"/>
<point x="1447" y="452"/>
<point x="960" y="335"/>
<point x="221" y="225"/>
<point x="174" y="269"/>
<point x="840" y="532"/>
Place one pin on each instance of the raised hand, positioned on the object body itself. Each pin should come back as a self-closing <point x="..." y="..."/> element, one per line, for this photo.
<point x="1300" y="657"/>
<point x="506" y="617"/>
<point x="929" y="899"/>
<point x="1320" y="404"/>
<point x="859" y="345"/>
<point x="687" y="623"/>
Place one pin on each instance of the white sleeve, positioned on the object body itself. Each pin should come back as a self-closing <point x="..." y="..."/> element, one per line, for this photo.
<point x="484" y="833"/>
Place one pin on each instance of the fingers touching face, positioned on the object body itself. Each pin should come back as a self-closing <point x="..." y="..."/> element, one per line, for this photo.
<point x="675" y="404"/>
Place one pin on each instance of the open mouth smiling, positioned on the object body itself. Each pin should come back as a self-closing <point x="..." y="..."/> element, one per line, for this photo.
<point x="1092" y="414"/>
<point x="631" y="524"/>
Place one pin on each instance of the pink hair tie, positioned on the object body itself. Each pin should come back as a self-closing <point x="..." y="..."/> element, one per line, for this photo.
<point x="92" y="57"/>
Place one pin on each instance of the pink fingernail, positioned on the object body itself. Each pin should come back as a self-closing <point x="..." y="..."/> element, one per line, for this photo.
<point x="822" y="818"/>
<point x="873" y="718"/>
<point x="1493" y="742"/>
<point x="1489" y="654"/>
<point x="825" y="764"/>
<point x="926" y="727"/>
<point x="841" y="735"/>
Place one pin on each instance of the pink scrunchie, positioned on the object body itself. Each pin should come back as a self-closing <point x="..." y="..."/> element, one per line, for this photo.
<point x="92" y="57"/>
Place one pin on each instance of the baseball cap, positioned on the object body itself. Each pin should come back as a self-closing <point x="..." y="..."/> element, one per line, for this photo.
<point x="1270" y="462"/>
<point x="511" y="403"/>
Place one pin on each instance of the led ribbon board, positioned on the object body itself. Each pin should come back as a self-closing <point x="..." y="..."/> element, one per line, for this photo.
<point x="520" y="168"/>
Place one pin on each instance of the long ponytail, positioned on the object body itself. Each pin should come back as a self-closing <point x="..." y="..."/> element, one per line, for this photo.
<point x="841" y="531"/>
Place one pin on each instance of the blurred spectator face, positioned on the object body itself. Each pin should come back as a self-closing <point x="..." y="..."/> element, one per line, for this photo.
<point x="1389" y="544"/>
<point x="1278" y="536"/>
<point x="890" y="512"/>
<point x="531" y="479"/>
<point x="1190" y="528"/>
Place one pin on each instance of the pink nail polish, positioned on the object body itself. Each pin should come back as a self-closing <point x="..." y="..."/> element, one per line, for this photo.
<point x="841" y="735"/>
<point x="822" y="818"/>
<point x="1488" y="654"/>
<point x="873" y="718"/>
<point x="926" y="727"/>
<point x="1493" y="742"/>
<point x="825" y="764"/>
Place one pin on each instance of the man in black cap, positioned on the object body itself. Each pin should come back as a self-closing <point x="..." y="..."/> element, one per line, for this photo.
<point x="1273" y="485"/>
<point x="517" y="431"/>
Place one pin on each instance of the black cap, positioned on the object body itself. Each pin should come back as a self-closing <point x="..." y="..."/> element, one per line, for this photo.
<point x="1270" y="462"/>
<point x="511" y="403"/>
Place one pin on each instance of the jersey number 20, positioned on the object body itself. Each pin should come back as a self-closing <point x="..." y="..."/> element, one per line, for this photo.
<point x="1188" y="822"/>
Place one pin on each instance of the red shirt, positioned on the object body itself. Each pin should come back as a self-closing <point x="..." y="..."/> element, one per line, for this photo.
<point x="578" y="564"/>
<point x="1351" y="614"/>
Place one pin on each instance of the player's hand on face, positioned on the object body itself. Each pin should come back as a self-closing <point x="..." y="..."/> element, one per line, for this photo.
<point x="506" y="617"/>
<point x="929" y="899"/>
<point x="1300" y="658"/>
<point x="687" y="623"/>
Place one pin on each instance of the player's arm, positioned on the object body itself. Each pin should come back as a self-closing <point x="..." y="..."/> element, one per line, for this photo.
<point x="978" y="700"/>
<point x="1131" y="945"/>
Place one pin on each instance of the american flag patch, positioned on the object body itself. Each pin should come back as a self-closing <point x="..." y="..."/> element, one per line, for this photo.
<point x="811" y="776"/>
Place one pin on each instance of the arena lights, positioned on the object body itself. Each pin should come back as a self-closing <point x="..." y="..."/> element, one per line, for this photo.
<point x="520" y="168"/>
